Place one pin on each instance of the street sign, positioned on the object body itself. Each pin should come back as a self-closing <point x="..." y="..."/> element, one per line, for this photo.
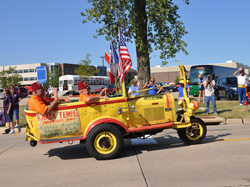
<point x="41" y="74"/>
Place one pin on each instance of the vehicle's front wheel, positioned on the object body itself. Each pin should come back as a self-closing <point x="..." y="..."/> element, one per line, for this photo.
<point x="195" y="133"/>
<point x="104" y="141"/>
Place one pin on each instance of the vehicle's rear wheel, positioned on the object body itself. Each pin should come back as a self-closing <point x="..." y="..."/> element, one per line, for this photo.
<point x="227" y="96"/>
<point x="195" y="133"/>
<point x="104" y="141"/>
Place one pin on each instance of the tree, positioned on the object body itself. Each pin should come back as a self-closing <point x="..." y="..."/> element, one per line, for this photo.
<point x="177" y="79"/>
<point x="85" y="70"/>
<point x="52" y="78"/>
<point x="8" y="78"/>
<point x="152" y="24"/>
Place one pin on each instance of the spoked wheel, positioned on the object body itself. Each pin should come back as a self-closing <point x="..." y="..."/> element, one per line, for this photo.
<point x="104" y="141"/>
<point x="195" y="133"/>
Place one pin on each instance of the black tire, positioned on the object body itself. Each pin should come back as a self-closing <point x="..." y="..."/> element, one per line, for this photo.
<point x="104" y="141"/>
<point x="227" y="96"/>
<point x="217" y="97"/>
<point x="195" y="133"/>
<point x="33" y="143"/>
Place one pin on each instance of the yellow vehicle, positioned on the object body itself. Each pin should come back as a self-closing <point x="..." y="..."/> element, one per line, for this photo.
<point x="104" y="125"/>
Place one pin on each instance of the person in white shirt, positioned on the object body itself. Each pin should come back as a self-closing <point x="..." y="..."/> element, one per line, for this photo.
<point x="134" y="87"/>
<point x="242" y="80"/>
<point x="209" y="85"/>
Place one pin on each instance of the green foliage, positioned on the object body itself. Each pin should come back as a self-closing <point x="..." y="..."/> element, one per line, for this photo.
<point x="154" y="25"/>
<point x="85" y="70"/>
<point x="52" y="79"/>
<point x="7" y="78"/>
<point x="177" y="79"/>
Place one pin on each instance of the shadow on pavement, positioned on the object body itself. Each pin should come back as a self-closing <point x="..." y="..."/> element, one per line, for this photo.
<point x="79" y="151"/>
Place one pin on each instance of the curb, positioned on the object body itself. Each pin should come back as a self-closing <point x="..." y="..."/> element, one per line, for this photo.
<point x="222" y="121"/>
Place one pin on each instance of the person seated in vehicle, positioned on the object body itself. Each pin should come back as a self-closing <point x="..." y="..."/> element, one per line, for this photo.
<point x="41" y="104"/>
<point x="86" y="96"/>
<point x="134" y="87"/>
<point x="153" y="85"/>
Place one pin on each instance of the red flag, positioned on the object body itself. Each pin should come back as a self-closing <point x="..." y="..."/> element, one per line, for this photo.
<point x="107" y="58"/>
<point x="125" y="61"/>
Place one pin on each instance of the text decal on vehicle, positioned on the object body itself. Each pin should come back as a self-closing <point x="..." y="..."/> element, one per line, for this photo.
<point x="59" y="123"/>
<point x="153" y="98"/>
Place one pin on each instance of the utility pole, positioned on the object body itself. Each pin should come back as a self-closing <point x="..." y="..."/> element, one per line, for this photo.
<point x="102" y="64"/>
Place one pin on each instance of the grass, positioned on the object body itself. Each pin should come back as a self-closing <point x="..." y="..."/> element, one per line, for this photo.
<point x="225" y="109"/>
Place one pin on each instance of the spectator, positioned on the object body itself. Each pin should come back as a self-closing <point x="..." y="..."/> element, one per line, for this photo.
<point x="16" y="98"/>
<point x="180" y="90"/>
<point x="242" y="80"/>
<point x="152" y="85"/>
<point x="8" y="110"/>
<point x="86" y="96"/>
<point x="200" y="81"/>
<point x="134" y="87"/>
<point x="209" y="85"/>
<point x="39" y="103"/>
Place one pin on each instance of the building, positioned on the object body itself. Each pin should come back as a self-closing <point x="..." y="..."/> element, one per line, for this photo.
<point x="169" y="74"/>
<point x="29" y="74"/>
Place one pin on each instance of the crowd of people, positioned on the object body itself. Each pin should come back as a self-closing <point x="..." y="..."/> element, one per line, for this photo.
<point x="11" y="107"/>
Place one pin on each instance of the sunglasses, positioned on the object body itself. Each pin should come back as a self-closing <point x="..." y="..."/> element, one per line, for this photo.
<point x="152" y="81"/>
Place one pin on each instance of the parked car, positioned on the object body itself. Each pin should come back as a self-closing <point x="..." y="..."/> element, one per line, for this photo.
<point x="111" y="89"/>
<point x="1" y="93"/>
<point x="29" y="89"/>
<point x="23" y="91"/>
<point x="227" y="87"/>
<point x="171" y="87"/>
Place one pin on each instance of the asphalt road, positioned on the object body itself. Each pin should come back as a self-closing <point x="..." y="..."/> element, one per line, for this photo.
<point x="223" y="159"/>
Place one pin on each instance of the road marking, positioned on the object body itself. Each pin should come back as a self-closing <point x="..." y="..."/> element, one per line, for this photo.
<point x="232" y="140"/>
<point x="141" y="141"/>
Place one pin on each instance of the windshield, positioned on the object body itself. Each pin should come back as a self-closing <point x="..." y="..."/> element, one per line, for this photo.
<point x="232" y="81"/>
<point x="60" y="82"/>
<point x="106" y="86"/>
<point x="195" y="71"/>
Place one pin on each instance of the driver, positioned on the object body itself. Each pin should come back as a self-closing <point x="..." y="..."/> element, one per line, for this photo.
<point x="41" y="104"/>
<point x="86" y="96"/>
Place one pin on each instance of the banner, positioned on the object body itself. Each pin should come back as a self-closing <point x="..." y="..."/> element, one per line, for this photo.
<point x="59" y="123"/>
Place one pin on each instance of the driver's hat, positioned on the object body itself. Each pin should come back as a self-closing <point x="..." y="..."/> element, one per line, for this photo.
<point x="82" y="85"/>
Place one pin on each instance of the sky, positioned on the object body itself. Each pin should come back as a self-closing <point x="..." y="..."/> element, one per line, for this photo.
<point x="47" y="31"/>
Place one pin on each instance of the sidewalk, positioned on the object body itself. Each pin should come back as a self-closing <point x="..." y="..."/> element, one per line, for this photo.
<point x="222" y="121"/>
<point x="17" y="131"/>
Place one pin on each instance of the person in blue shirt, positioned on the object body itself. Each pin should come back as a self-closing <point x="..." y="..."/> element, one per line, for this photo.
<point x="180" y="90"/>
<point x="200" y="82"/>
<point x="152" y="84"/>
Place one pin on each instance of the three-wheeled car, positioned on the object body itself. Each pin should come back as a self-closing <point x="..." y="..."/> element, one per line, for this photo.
<point x="104" y="125"/>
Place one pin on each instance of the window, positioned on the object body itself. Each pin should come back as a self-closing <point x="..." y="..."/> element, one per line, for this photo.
<point x="32" y="78"/>
<point x="70" y="70"/>
<point x="66" y="70"/>
<point x="70" y="81"/>
<point x="31" y="70"/>
<point x="75" y="82"/>
<point x="20" y="71"/>
<point x="26" y="71"/>
<point x="26" y="79"/>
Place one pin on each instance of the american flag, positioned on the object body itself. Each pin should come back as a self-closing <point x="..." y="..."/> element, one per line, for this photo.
<point x="125" y="61"/>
